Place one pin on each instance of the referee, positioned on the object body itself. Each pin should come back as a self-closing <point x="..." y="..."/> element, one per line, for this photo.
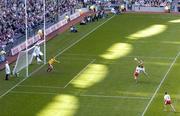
<point x="7" y="70"/>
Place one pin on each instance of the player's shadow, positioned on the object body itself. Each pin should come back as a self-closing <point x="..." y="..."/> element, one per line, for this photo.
<point x="170" y="111"/>
<point x="177" y="112"/>
<point x="143" y="82"/>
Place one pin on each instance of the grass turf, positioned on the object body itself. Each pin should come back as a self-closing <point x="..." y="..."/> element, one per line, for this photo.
<point x="95" y="77"/>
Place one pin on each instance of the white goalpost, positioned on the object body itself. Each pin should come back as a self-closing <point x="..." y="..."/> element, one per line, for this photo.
<point x="25" y="57"/>
<point x="21" y="61"/>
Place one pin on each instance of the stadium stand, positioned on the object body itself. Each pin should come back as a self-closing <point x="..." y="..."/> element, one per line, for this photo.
<point x="152" y="3"/>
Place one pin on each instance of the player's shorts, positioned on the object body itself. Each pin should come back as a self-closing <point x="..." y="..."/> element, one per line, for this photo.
<point x="142" y="69"/>
<point x="50" y="65"/>
<point x="167" y="102"/>
<point x="136" y="75"/>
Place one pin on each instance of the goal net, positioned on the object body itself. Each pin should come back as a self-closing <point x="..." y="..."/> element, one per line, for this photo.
<point x="28" y="60"/>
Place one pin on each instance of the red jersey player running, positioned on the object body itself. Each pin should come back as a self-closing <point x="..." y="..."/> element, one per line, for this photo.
<point x="167" y="101"/>
<point x="139" y="68"/>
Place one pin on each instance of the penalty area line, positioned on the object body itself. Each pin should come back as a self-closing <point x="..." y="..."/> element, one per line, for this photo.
<point x="41" y="93"/>
<point x="37" y="86"/>
<point x="12" y="88"/>
<point x="95" y="96"/>
<point x="118" y="97"/>
<point x="132" y="56"/>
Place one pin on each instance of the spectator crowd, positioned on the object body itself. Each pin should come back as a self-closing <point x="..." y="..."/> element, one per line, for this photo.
<point x="152" y="3"/>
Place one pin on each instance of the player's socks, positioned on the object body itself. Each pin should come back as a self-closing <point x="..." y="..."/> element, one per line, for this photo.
<point x="173" y="108"/>
<point x="48" y="69"/>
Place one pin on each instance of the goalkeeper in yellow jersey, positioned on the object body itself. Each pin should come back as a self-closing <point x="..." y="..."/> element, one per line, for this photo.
<point x="50" y="64"/>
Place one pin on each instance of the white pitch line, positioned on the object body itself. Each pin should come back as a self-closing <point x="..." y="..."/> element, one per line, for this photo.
<point x="118" y="97"/>
<point x="153" y="57"/>
<point x="160" y="84"/>
<point x="67" y="58"/>
<point x="43" y="93"/>
<point x="12" y="87"/>
<point x="37" y="70"/>
<point x="34" y="86"/>
<point x="79" y="73"/>
<point x="56" y="56"/>
<point x="96" y="96"/>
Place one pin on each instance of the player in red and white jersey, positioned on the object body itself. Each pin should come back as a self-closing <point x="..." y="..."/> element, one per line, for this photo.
<point x="136" y="73"/>
<point x="167" y="101"/>
<point x="141" y="66"/>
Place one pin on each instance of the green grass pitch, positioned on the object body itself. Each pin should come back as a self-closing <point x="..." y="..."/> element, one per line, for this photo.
<point x="95" y="73"/>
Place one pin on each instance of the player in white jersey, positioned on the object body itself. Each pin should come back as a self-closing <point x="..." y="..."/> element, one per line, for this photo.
<point x="37" y="53"/>
<point x="7" y="70"/>
<point x="167" y="101"/>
